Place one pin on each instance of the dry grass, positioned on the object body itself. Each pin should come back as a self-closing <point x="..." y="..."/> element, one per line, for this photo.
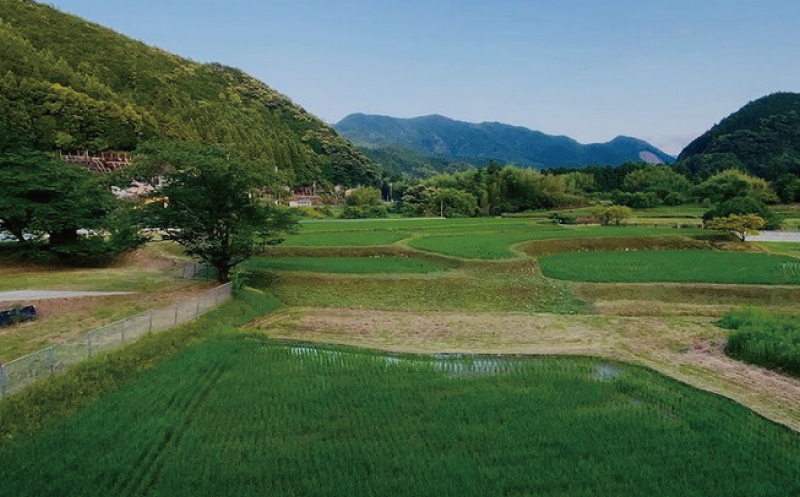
<point x="686" y="348"/>
<point x="154" y="279"/>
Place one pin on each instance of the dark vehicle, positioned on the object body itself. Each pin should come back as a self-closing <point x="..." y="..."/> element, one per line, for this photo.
<point x="16" y="315"/>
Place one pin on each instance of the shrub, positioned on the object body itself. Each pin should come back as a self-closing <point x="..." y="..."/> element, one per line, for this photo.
<point x="763" y="338"/>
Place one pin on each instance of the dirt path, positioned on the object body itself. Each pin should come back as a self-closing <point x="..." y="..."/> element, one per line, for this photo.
<point x="775" y="236"/>
<point x="25" y="295"/>
<point x="686" y="348"/>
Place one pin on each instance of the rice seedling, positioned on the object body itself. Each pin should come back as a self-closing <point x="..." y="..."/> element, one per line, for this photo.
<point x="670" y="265"/>
<point x="242" y="417"/>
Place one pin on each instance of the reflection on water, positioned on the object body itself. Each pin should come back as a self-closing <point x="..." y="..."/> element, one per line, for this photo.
<point x="458" y="365"/>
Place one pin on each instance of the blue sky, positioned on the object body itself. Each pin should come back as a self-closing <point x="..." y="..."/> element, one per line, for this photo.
<point x="661" y="70"/>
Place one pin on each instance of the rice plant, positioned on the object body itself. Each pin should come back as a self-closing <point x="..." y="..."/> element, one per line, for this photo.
<point x="242" y="417"/>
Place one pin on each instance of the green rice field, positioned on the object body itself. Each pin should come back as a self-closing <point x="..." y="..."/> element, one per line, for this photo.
<point x="243" y="417"/>
<point x="481" y="238"/>
<point x="701" y="266"/>
<point x="349" y="265"/>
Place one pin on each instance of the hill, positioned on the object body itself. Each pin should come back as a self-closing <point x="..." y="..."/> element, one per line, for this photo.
<point x="68" y="84"/>
<point x="441" y="138"/>
<point x="762" y="138"/>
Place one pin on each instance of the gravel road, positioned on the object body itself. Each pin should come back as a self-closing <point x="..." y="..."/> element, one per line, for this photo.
<point x="51" y="294"/>
<point x="775" y="236"/>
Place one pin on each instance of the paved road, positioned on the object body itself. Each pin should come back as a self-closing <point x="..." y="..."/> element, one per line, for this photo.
<point x="775" y="236"/>
<point x="51" y="294"/>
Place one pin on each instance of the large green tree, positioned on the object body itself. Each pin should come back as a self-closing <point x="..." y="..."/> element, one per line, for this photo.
<point x="208" y="203"/>
<point x="46" y="202"/>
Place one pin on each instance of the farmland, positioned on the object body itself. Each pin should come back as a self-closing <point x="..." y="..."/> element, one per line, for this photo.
<point x="243" y="417"/>
<point x="673" y="266"/>
<point x="239" y="413"/>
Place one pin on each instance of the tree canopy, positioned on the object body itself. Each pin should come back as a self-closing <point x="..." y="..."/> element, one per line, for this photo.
<point x="45" y="203"/>
<point x="67" y="84"/>
<point x="208" y="204"/>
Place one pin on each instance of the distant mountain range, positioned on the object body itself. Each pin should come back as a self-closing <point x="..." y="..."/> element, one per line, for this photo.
<point x="440" y="139"/>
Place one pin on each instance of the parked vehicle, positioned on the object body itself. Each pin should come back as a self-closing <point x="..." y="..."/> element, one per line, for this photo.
<point x="17" y="315"/>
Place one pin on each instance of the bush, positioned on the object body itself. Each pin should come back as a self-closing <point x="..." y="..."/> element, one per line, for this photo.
<point x="763" y="338"/>
<point x="745" y="205"/>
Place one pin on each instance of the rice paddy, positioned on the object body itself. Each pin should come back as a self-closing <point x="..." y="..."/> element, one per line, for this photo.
<point x="349" y="265"/>
<point x="242" y="417"/>
<point x="673" y="266"/>
<point x="239" y="414"/>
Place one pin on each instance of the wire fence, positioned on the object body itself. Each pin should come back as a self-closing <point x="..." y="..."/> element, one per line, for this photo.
<point x="17" y="374"/>
<point x="199" y="270"/>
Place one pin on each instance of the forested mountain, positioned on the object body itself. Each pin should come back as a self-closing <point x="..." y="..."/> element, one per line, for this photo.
<point x="67" y="84"/>
<point x="762" y="138"/>
<point x="440" y="138"/>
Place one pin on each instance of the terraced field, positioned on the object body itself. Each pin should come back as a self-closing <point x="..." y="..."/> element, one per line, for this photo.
<point x="242" y="417"/>
<point x="673" y="266"/>
<point x="239" y="414"/>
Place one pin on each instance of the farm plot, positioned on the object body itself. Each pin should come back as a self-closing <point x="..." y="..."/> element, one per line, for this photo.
<point x="497" y="244"/>
<point x="350" y="265"/>
<point x="371" y="233"/>
<point x="239" y="417"/>
<point x="673" y="266"/>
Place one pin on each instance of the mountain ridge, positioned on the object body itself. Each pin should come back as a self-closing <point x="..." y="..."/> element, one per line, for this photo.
<point x="761" y="138"/>
<point x="439" y="136"/>
<point x="69" y="84"/>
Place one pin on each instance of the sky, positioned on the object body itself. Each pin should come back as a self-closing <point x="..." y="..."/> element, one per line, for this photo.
<point x="661" y="70"/>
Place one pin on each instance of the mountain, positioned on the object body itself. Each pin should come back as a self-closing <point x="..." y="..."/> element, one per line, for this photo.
<point x="762" y="138"/>
<point x="68" y="84"/>
<point x="440" y="137"/>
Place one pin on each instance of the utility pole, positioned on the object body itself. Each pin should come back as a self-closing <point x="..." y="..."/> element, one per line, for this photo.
<point x="441" y="210"/>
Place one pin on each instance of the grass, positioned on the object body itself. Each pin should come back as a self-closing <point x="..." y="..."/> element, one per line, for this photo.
<point x="478" y="238"/>
<point x="676" y="266"/>
<point x="510" y="286"/>
<point x="496" y="244"/>
<point x="349" y="265"/>
<point x="238" y="417"/>
<point x="783" y="248"/>
<point x="763" y="338"/>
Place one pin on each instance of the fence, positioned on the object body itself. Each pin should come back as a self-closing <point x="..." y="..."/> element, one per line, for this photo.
<point x="198" y="270"/>
<point x="15" y="375"/>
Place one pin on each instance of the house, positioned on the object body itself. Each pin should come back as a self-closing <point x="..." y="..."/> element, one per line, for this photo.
<point x="305" y="201"/>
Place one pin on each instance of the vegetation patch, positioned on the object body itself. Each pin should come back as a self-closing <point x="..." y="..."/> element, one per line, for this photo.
<point x="496" y="245"/>
<point x="705" y="298"/>
<point x="764" y="338"/>
<point x="350" y="265"/>
<point x="515" y="286"/>
<point x="670" y="265"/>
<point x="238" y="417"/>
<point x="545" y="247"/>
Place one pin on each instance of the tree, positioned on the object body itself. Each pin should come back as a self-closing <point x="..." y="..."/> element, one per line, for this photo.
<point x="44" y="197"/>
<point x="731" y="184"/>
<point x="364" y="202"/>
<point x="741" y="226"/>
<point x="744" y="205"/>
<point x="209" y="206"/>
<point x="612" y="213"/>
<point x="659" y="180"/>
